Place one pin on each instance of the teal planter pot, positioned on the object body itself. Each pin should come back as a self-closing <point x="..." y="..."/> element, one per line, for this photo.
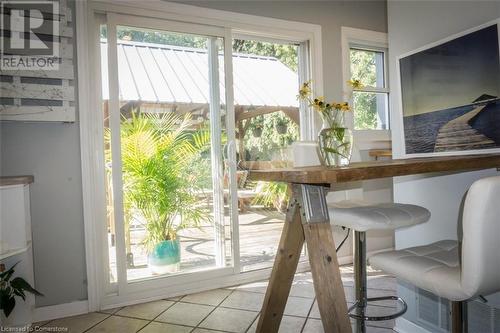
<point x="165" y="257"/>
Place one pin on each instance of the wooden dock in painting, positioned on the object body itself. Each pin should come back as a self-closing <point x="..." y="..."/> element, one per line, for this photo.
<point x="459" y="135"/>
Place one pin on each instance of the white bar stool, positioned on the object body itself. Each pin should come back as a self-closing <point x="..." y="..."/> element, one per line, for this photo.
<point x="452" y="270"/>
<point x="361" y="218"/>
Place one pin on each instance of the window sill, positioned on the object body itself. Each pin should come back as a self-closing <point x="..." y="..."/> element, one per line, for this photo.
<point x="372" y="139"/>
<point x="372" y="135"/>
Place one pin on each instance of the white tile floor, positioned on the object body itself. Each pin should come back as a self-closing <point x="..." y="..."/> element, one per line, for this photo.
<point x="234" y="310"/>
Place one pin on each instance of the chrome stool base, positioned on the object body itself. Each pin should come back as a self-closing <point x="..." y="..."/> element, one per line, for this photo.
<point x="360" y="285"/>
<point x="357" y="306"/>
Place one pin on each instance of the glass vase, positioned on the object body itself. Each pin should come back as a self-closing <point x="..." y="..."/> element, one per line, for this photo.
<point x="335" y="146"/>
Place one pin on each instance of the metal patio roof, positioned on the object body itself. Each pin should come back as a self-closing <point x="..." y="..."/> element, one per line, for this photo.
<point x="156" y="73"/>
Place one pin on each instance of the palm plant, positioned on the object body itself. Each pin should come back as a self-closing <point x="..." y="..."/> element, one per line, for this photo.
<point x="158" y="182"/>
<point x="272" y="194"/>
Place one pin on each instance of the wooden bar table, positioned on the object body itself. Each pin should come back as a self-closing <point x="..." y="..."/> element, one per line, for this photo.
<point x="307" y="221"/>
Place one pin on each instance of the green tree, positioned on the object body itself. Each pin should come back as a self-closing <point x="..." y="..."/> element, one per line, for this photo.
<point x="286" y="53"/>
<point x="157" y="37"/>
<point x="365" y="110"/>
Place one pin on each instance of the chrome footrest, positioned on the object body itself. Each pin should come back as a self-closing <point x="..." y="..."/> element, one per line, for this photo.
<point x="362" y="316"/>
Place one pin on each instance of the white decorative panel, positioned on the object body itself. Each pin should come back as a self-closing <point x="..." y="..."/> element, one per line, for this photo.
<point x="42" y="95"/>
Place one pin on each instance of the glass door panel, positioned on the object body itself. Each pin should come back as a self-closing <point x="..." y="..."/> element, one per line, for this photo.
<point x="166" y="153"/>
<point x="267" y="114"/>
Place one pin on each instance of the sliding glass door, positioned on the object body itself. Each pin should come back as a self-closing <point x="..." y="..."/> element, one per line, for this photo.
<point x="166" y="152"/>
<point x="187" y="110"/>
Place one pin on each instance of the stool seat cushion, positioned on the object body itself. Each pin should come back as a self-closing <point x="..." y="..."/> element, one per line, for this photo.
<point x="387" y="216"/>
<point x="434" y="267"/>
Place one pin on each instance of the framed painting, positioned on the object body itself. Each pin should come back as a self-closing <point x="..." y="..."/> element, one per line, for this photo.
<point x="450" y="95"/>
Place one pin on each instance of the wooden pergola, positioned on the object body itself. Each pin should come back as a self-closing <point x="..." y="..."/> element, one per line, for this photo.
<point x="243" y="114"/>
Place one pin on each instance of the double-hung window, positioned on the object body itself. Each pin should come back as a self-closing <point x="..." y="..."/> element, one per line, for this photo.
<point x="370" y="100"/>
<point x="365" y="61"/>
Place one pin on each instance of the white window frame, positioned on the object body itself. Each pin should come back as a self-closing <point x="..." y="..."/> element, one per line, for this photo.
<point x="90" y="122"/>
<point x="365" y="40"/>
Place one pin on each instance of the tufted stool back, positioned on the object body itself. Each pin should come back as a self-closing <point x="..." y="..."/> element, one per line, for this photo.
<point x="480" y="267"/>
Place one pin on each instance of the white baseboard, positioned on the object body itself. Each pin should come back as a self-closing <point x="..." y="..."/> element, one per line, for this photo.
<point x="60" y="311"/>
<point x="406" y="326"/>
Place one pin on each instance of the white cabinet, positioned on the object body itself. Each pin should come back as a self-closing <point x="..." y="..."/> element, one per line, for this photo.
<point x="15" y="242"/>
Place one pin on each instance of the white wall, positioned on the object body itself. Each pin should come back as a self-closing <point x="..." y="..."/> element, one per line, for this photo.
<point x="51" y="152"/>
<point x="412" y="24"/>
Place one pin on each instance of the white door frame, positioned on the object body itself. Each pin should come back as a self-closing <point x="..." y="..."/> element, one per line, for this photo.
<point x="91" y="130"/>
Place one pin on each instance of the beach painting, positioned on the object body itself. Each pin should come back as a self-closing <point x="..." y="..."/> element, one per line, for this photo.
<point x="451" y="95"/>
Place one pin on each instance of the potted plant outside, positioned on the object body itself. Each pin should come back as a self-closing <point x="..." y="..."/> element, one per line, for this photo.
<point x="257" y="126"/>
<point x="281" y="125"/>
<point x="158" y="182"/>
<point x="257" y="130"/>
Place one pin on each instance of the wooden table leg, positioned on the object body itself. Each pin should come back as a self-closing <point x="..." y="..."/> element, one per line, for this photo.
<point x="285" y="265"/>
<point x="323" y="260"/>
<point x="326" y="276"/>
<point x="312" y="224"/>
